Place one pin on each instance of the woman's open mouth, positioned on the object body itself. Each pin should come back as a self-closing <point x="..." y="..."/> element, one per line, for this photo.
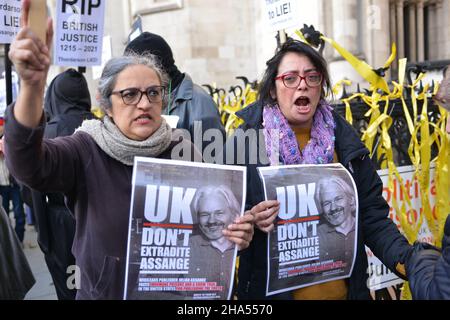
<point x="303" y="105"/>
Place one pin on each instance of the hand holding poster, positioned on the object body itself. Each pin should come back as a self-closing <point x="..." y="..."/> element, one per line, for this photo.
<point x="176" y="249"/>
<point x="79" y="32"/>
<point x="314" y="239"/>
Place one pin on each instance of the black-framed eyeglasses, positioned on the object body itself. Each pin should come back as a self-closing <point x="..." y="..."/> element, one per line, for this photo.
<point x="292" y="80"/>
<point x="132" y="96"/>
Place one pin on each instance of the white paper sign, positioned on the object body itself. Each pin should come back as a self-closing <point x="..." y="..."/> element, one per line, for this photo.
<point x="15" y="90"/>
<point x="106" y="55"/>
<point x="379" y="275"/>
<point x="9" y="20"/>
<point x="309" y="244"/>
<point x="79" y="32"/>
<point x="176" y="248"/>
<point x="282" y="14"/>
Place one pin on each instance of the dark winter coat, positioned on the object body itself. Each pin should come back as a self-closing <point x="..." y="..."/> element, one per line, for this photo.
<point x="375" y="229"/>
<point x="196" y="110"/>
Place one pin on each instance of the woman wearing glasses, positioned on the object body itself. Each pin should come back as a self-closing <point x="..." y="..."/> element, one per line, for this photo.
<point x="292" y="101"/>
<point x="93" y="167"/>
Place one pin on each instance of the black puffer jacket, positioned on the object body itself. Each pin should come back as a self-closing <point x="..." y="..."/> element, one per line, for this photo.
<point x="429" y="270"/>
<point x="375" y="229"/>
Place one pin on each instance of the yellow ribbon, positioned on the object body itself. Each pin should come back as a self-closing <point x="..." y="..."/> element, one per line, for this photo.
<point x="361" y="67"/>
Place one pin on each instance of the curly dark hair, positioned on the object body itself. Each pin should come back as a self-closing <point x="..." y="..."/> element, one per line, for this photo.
<point x="267" y="84"/>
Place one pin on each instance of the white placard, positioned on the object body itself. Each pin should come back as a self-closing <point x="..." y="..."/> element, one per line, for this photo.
<point x="176" y="248"/>
<point x="79" y="33"/>
<point x="15" y="90"/>
<point x="282" y="14"/>
<point x="9" y="20"/>
<point x="314" y="238"/>
<point x="106" y="55"/>
<point x="379" y="275"/>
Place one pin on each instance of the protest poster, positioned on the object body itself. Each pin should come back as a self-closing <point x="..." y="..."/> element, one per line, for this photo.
<point x="15" y="90"/>
<point x="79" y="33"/>
<point x="176" y="249"/>
<point x="281" y="14"/>
<point x="380" y="276"/>
<point x="314" y="239"/>
<point x="9" y="20"/>
<point x="136" y="29"/>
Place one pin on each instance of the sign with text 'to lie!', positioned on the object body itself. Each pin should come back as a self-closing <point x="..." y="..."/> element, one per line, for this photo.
<point x="282" y="14"/>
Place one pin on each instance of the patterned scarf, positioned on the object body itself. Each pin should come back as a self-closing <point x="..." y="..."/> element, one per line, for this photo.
<point x="112" y="141"/>
<point x="280" y="137"/>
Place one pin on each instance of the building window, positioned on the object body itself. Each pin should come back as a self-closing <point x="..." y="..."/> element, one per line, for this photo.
<point x="154" y="6"/>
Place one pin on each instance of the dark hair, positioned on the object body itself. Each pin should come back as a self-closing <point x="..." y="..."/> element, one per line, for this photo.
<point x="268" y="81"/>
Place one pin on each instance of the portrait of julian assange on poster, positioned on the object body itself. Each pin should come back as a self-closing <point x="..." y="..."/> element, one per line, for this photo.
<point x="176" y="249"/>
<point x="314" y="239"/>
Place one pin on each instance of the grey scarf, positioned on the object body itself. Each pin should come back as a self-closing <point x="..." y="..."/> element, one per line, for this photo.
<point x="112" y="141"/>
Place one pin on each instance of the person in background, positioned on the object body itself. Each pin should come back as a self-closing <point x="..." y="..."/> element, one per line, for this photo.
<point x="429" y="270"/>
<point x="67" y="104"/>
<point x="443" y="94"/>
<point x="193" y="105"/>
<point x="300" y="127"/>
<point x="94" y="166"/>
<point x="10" y="192"/>
<point x="29" y="214"/>
<point x="16" y="278"/>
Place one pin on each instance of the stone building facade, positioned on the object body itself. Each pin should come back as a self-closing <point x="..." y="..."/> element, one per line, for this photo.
<point x="216" y="41"/>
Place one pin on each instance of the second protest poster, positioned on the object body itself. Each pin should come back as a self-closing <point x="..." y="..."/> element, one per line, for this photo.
<point x="176" y="249"/>
<point x="314" y="239"/>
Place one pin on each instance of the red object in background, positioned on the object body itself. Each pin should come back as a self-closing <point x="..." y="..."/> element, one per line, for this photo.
<point x="2" y="121"/>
